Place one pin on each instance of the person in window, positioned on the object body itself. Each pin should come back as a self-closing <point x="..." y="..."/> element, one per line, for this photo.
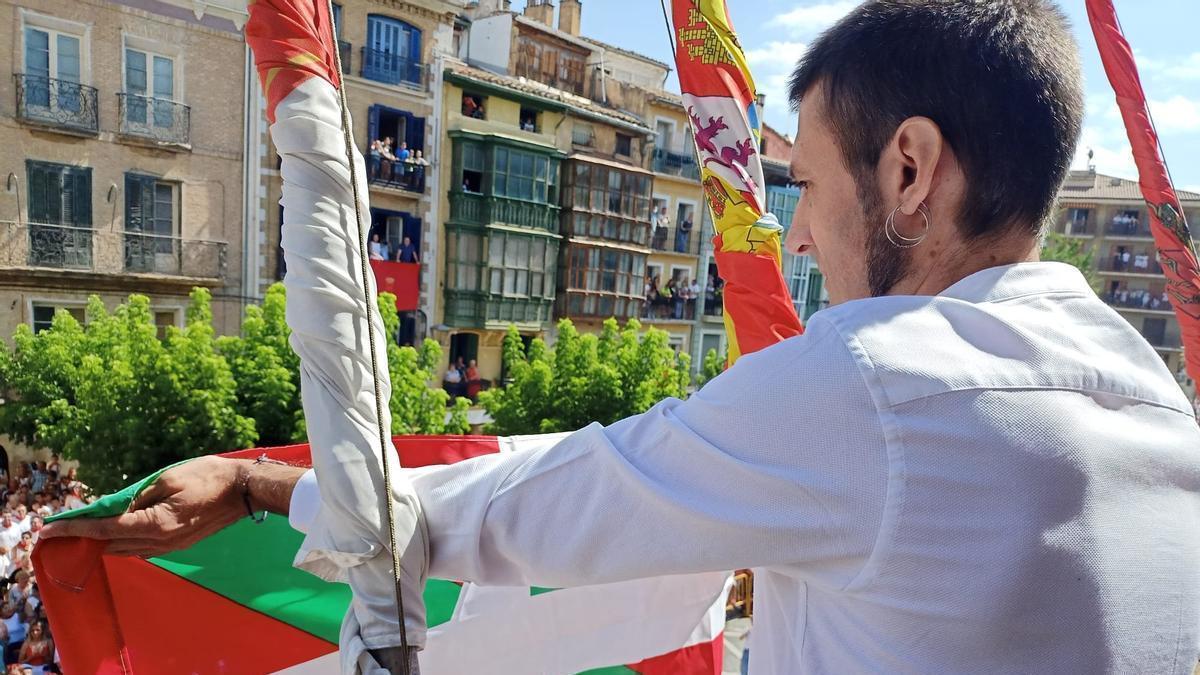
<point x="378" y="248"/>
<point x="407" y="253"/>
<point x="682" y="234"/>
<point x="374" y="159"/>
<point x="661" y="222"/>
<point x="471" y="107"/>
<point x="389" y="159"/>
<point x="452" y="381"/>
<point x="474" y="384"/>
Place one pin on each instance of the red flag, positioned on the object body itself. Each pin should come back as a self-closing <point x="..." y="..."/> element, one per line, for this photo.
<point x="1176" y="251"/>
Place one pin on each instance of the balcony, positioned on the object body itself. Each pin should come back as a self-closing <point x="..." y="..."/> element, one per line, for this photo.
<point x="1136" y="227"/>
<point x="154" y="119"/>
<point x="62" y="105"/>
<point x="1079" y="228"/>
<point x="62" y="247"/>
<point x="476" y="209"/>
<point x="1138" y="263"/>
<point x="674" y="239"/>
<point x="173" y="256"/>
<point x="1141" y="300"/>
<point x="676" y="164"/>
<point x="393" y="69"/>
<point x="477" y="309"/>
<point x="346" y="54"/>
<point x="405" y="176"/>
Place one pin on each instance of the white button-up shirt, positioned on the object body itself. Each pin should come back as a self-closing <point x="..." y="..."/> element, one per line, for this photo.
<point x="1001" y="478"/>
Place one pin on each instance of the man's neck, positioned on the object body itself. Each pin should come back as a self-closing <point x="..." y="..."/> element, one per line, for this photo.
<point x="953" y="263"/>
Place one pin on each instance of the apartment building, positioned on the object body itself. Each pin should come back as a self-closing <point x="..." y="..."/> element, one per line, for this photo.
<point x="123" y="128"/>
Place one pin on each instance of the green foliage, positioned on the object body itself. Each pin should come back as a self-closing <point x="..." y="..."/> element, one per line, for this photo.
<point x="416" y="407"/>
<point x="714" y="365"/>
<point x="118" y="399"/>
<point x="267" y="371"/>
<point x="124" y="403"/>
<point x="584" y="379"/>
<point x="1072" y="251"/>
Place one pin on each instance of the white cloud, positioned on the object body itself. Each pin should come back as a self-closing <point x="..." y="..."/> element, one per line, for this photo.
<point x="777" y="54"/>
<point x="813" y="18"/>
<point x="1177" y="114"/>
<point x="1112" y="155"/>
<point x="1186" y="67"/>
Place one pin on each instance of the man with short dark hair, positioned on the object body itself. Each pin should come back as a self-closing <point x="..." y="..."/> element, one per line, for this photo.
<point x="968" y="463"/>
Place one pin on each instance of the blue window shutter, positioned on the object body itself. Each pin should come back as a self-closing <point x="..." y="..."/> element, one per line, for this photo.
<point x="416" y="133"/>
<point x="81" y="194"/>
<point x="414" y="55"/>
<point x="372" y="124"/>
<point x="412" y="230"/>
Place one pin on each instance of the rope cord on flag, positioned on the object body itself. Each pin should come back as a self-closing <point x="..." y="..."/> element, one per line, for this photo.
<point x="364" y="269"/>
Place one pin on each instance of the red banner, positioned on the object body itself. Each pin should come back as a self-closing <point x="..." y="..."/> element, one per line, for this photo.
<point x="400" y="279"/>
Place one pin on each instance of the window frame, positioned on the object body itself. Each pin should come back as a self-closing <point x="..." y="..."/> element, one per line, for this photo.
<point x="28" y="18"/>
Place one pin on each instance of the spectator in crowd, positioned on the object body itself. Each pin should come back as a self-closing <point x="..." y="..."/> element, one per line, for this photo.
<point x="693" y="294"/>
<point x="74" y="498"/>
<point x="389" y="159"/>
<point x="23" y="549"/>
<point x="474" y="384"/>
<point x="682" y="233"/>
<point x="38" y="650"/>
<point x="661" y="221"/>
<point x="10" y="532"/>
<point x="378" y="248"/>
<point x="452" y="382"/>
<point x="407" y="253"/>
<point x="651" y="293"/>
<point x="20" y="591"/>
<point x="403" y="153"/>
<point x="6" y="565"/>
<point x="374" y="159"/>
<point x="14" y="624"/>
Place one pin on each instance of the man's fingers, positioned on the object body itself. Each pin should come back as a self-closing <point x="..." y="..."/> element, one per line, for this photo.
<point x="154" y="493"/>
<point x="144" y="524"/>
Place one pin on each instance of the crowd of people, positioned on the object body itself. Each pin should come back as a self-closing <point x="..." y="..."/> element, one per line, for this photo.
<point x="661" y="222"/>
<point x="400" y="166"/>
<point x="1125" y="260"/>
<point x="1126" y="222"/>
<point x="31" y="492"/>
<point x="678" y="297"/>
<point x="1138" y="299"/>
<point x="462" y="379"/>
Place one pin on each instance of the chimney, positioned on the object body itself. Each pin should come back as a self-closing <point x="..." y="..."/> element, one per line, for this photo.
<point x="541" y="11"/>
<point x="568" y="16"/>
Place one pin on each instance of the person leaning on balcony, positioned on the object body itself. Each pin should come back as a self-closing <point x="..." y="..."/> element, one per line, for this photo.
<point x="389" y="159"/>
<point x="407" y="253"/>
<point x="378" y="248"/>
<point x="374" y="159"/>
<point x="682" y="233"/>
<point x="968" y="463"/>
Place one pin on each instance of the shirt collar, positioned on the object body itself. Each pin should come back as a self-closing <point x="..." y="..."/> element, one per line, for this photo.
<point x="1010" y="281"/>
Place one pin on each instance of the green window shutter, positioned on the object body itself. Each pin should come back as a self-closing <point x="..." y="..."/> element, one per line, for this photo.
<point x="80" y="181"/>
<point x="39" y="194"/>
<point x="139" y="202"/>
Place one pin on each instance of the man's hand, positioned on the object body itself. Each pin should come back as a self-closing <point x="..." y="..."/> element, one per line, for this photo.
<point x="186" y="504"/>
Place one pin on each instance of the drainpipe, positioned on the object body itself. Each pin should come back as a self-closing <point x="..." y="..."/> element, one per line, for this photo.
<point x="251" y="143"/>
<point x="430" y="267"/>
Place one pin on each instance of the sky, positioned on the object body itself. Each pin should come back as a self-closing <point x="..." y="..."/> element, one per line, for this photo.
<point x="775" y="33"/>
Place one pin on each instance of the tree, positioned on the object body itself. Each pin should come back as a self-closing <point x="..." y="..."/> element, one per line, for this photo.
<point x="714" y="365"/>
<point x="416" y="407"/>
<point x="1072" y="251"/>
<point x="113" y="396"/>
<point x="584" y="378"/>
<point x="267" y="371"/>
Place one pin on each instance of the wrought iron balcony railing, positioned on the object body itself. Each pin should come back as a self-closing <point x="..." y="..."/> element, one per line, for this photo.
<point x="47" y="245"/>
<point x="173" y="256"/>
<point x="392" y="68"/>
<point x="676" y="239"/>
<point x="57" y="103"/>
<point x="154" y="119"/>
<point x="408" y="176"/>
<point x="1129" y="227"/>
<point x="676" y="164"/>
<point x="1138" y="263"/>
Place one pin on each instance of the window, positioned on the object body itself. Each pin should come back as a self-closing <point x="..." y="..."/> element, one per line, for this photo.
<point x="473" y="106"/>
<point x="149" y="88"/>
<point x="624" y="145"/>
<point x="549" y="65"/>
<point x="472" y="167"/>
<point x="625" y="195"/>
<point x="1078" y="220"/>
<point x="465" y="346"/>
<point x="53" y="64"/>
<point x="59" y="194"/>
<point x="337" y="20"/>
<point x="664" y="131"/>
<point x="164" y="319"/>
<point x="464" y="260"/>
<point x="43" y="315"/>
<point x="520" y="265"/>
<point x="612" y="281"/>
<point x="150" y="211"/>
<point x="393" y="51"/>
<point x="582" y="134"/>
<point x="522" y="175"/>
<point x="1155" y="331"/>
<point x="814" y="300"/>
<point x="530" y="119"/>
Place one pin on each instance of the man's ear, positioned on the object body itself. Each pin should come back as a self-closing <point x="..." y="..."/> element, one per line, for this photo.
<point x="909" y="163"/>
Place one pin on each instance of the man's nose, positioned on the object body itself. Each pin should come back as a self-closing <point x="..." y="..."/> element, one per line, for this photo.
<point x="798" y="237"/>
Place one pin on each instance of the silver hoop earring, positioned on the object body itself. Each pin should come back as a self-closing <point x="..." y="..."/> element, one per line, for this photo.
<point x="900" y="241"/>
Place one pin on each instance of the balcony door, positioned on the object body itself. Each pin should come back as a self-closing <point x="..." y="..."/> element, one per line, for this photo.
<point x="150" y="218"/>
<point x="393" y="51"/>
<point x="52" y="69"/>
<point x="149" y="89"/>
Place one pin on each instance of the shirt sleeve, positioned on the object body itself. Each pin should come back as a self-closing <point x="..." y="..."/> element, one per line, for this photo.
<point x="780" y="462"/>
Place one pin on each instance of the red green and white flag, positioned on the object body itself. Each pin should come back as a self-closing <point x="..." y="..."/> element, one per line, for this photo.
<point x="234" y="604"/>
